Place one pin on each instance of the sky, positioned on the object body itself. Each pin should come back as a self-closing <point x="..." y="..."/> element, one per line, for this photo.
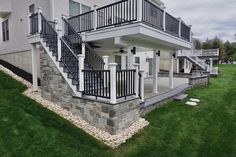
<point x="209" y="18"/>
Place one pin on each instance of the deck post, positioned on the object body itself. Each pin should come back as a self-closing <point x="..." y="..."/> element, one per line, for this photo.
<point x="142" y="86"/>
<point x="130" y="58"/>
<point x="156" y="62"/>
<point x="123" y="61"/>
<point x="113" y="82"/>
<point x="211" y="64"/>
<point x="171" y="75"/>
<point x="185" y="65"/>
<point x="34" y="67"/>
<point x="39" y="19"/>
<point x="177" y="65"/>
<point x="105" y="59"/>
<point x="136" y="88"/>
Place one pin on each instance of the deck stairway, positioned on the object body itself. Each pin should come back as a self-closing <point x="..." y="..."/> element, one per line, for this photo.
<point x="194" y="60"/>
<point x="71" y="47"/>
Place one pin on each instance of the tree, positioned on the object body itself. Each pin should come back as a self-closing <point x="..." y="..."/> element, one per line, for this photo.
<point x="207" y="44"/>
<point x="197" y="44"/>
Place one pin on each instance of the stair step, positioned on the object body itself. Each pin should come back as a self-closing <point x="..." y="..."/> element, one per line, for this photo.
<point x="69" y="76"/>
<point x="65" y="70"/>
<point x="61" y="64"/>
<point x="181" y="97"/>
<point x="74" y="82"/>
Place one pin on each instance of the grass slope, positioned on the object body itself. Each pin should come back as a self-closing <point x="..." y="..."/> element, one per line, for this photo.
<point x="175" y="130"/>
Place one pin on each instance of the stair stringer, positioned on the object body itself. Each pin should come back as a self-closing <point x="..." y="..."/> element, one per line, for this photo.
<point x="57" y="64"/>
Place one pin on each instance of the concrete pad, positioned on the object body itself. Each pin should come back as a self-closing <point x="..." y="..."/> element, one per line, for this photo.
<point x="194" y="100"/>
<point x="180" y="97"/>
<point x="191" y="103"/>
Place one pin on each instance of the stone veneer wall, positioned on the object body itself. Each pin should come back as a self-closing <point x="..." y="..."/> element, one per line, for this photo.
<point x="199" y="80"/>
<point x="109" y="117"/>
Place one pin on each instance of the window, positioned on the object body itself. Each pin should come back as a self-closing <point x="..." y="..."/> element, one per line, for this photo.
<point x="137" y="61"/>
<point x="5" y="30"/>
<point x="74" y="8"/>
<point x="31" y="8"/>
<point x="85" y="9"/>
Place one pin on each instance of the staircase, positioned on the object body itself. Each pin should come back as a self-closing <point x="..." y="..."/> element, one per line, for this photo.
<point x="64" y="51"/>
<point x="193" y="59"/>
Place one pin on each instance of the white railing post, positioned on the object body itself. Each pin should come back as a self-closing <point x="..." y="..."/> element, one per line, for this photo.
<point x="164" y="19"/>
<point x="81" y="74"/>
<point x="136" y="86"/>
<point x="95" y="20"/>
<point x="63" y="24"/>
<point x="180" y="21"/>
<point x="190" y="33"/>
<point x="29" y="25"/>
<point x="142" y="86"/>
<point x="106" y="62"/>
<point x="113" y="82"/>
<point x="59" y="35"/>
<point x="39" y="20"/>
<point x="81" y="68"/>
<point x="139" y="10"/>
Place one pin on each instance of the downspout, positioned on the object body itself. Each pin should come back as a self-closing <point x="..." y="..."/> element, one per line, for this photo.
<point x="52" y="10"/>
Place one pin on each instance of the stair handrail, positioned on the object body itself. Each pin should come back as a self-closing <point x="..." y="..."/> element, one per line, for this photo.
<point x="72" y="51"/>
<point x="99" y="59"/>
<point x="73" y="34"/>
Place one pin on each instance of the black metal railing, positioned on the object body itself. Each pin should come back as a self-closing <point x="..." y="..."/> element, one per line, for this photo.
<point x="34" y="26"/>
<point x="93" y="60"/>
<point x="70" y="60"/>
<point x="185" y="32"/>
<point x="117" y="13"/>
<point x="97" y="83"/>
<point x="125" y="83"/>
<point x="72" y="38"/>
<point x="152" y="14"/>
<point x="49" y="34"/>
<point x="82" y="22"/>
<point x="172" y="25"/>
<point x="53" y="24"/>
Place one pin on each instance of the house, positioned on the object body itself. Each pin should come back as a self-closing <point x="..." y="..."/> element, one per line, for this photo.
<point x="92" y="56"/>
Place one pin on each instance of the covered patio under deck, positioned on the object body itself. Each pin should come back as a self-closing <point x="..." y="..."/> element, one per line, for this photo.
<point x="163" y="86"/>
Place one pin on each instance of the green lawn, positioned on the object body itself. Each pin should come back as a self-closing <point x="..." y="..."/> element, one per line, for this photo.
<point x="208" y="130"/>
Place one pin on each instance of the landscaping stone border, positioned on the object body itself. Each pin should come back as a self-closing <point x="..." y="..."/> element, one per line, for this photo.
<point x="110" y="140"/>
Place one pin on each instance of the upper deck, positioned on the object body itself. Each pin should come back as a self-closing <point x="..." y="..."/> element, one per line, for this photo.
<point x="133" y="20"/>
